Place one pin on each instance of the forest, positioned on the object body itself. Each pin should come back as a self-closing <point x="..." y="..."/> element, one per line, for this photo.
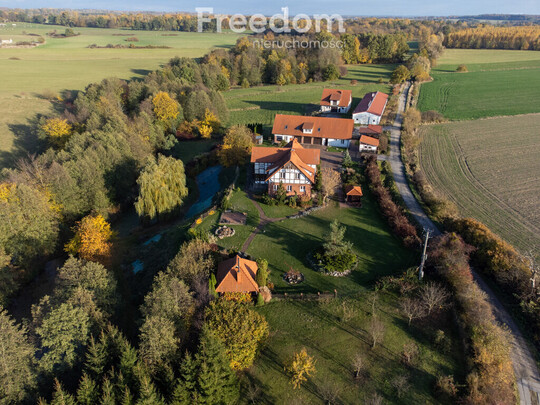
<point x="489" y="37"/>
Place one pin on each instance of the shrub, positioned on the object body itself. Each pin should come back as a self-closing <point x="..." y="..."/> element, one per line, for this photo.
<point x="462" y="69"/>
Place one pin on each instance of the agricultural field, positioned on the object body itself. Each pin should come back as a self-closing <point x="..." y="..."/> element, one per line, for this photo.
<point x="499" y="82"/>
<point x="67" y="64"/>
<point x="261" y="104"/>
<point x="489" y="168"/>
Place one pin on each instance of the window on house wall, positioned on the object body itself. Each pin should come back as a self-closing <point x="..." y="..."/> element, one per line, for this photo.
<point x="289" y="188"/>
<point x="282" y="175"/>
<point x="298" y="176"/>
<point x="279" y="138"/>
<point x="275" y="187"/>
<point x="302" y="189"/>
<point x="343" y="141"/>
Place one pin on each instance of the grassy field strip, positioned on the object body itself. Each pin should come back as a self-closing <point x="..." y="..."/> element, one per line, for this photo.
<point x="487" y="167"/>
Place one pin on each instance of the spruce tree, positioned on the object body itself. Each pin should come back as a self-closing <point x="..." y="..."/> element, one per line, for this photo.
<point x="216" y="382"/>
<point x="17" y="373"/>
<point x="61" y="397"/>
<point x="96" y="358"/>
<point x="148" y="394"/>
<point x="107" y="397"/>
<point x="186" y="384"/>
<point x="87" y="393"/>
<point x="127" y="398"/>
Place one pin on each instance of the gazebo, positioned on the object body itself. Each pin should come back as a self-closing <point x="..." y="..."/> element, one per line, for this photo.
<point x="353" y="195"/>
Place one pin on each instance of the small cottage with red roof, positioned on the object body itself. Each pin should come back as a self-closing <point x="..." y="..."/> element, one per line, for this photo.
<point x="375" y="131"/>
<point x="370" y="109"/>
<point x="368" y="144"/>
<point x="237" y="275"/>
<point x="293" y="166"/>
<point x="336" y="101"/>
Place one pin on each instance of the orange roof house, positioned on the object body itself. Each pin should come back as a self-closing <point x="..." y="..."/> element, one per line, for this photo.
<point x="293" y="166"/>
<point x="368" y="144"/>
<point x="333" y="100"/>
<point x="313" y="130"/>
<point x="237" y="275"/>
<point x="370" y="109"/>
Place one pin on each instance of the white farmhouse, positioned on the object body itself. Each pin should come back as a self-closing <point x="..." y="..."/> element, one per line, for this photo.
<point x="368" y="144"/>
<point x="336" y="101"/>
<point x="370" y="110"/>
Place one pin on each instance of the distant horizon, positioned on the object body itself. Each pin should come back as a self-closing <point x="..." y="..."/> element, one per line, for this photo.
<point x="347" y="8"/>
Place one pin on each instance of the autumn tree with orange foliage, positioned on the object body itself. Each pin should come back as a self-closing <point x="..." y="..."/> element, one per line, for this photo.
<point x="92" y="238"/>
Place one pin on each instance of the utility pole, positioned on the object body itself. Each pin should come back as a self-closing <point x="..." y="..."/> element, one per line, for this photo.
<point x="424" y="255"/>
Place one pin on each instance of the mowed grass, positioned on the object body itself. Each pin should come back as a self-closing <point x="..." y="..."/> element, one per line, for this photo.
<point x="498" y="83"/>
<point x="489" y="168"/>
<point x="261" y="104"/>
<point x="67" y="64"/>
<point x="319" y="326"/>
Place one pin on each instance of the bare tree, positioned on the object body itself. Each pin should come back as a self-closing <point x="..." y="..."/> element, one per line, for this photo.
<point x="531" y="259"/>
<point x="330" y="181"/>
<point x="412" y="308"/>
<point x="329" y="391"/>
<point x="433" y="296"/>
<point x="373" y="297"/>
<point x="374" y="399"/>
<point x="401" y="385"/>
<point x="409" y="353"/>
<point x="376" y="331"/>
<point x="358" y="365"/>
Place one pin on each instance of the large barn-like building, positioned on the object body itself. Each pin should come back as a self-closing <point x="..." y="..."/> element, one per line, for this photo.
<point x="292" y="166"/>
<point x="322" y="131"/>
<point x="370" y="110"/>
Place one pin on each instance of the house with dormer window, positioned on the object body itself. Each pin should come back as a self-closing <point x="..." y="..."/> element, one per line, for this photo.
<point x="322" y="131"/>
<point x="292" y="166"/>
<point x="336" y="101"/>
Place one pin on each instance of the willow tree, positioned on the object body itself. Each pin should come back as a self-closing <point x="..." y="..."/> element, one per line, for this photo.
<point x="162" y="187"/>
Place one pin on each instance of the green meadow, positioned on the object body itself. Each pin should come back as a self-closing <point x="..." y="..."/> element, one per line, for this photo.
<point x="499" y="82"/>
<point x="261" y="104"/>
<point x="68" y="64"/>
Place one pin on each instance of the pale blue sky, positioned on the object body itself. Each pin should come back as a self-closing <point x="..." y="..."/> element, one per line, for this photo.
<point x="344" y="7"/>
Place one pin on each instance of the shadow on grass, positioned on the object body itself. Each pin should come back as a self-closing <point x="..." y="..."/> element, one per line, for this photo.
<point x="25" y="142"/>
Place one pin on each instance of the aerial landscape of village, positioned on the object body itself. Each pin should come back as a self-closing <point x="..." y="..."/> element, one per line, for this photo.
<point x="269" y="203"/>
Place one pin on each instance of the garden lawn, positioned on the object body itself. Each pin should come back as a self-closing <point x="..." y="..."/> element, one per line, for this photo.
<point x="187" y="150"/>
<point x="239" y="202"/>
<point x="320" y="327"/>
<point x="277" y="211"/>
<point x="286" y="244"/>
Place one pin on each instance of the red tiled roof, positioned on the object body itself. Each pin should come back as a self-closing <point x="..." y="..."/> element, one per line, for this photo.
<point x="368" y="140"/>
<point x="237" y="275"/>
<point x="343" y="96"/>
<point x="372" y="103"/>
<point x="293" y="158"/>
<point x="260" y="154"/>
<point x="370" y="129"/>
<point x="353" y="190"/>
<point x="323" y="127"/>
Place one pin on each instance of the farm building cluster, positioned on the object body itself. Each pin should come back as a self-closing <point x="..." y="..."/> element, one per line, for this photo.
<point x="293" y="164"/>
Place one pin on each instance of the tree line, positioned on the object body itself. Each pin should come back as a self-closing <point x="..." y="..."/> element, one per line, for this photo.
<point x="490" y="37"/>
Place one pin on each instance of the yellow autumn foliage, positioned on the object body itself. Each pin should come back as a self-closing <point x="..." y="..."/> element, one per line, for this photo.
<point x="57" y="130"/>
<point x="7" y="191"/>
<point x="92" y="238"/>
<point x="301" y="367"/>
<point x="165" y="107"/>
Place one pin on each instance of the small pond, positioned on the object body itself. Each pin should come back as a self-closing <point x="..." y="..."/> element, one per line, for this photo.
<point x="208" y="183"/>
